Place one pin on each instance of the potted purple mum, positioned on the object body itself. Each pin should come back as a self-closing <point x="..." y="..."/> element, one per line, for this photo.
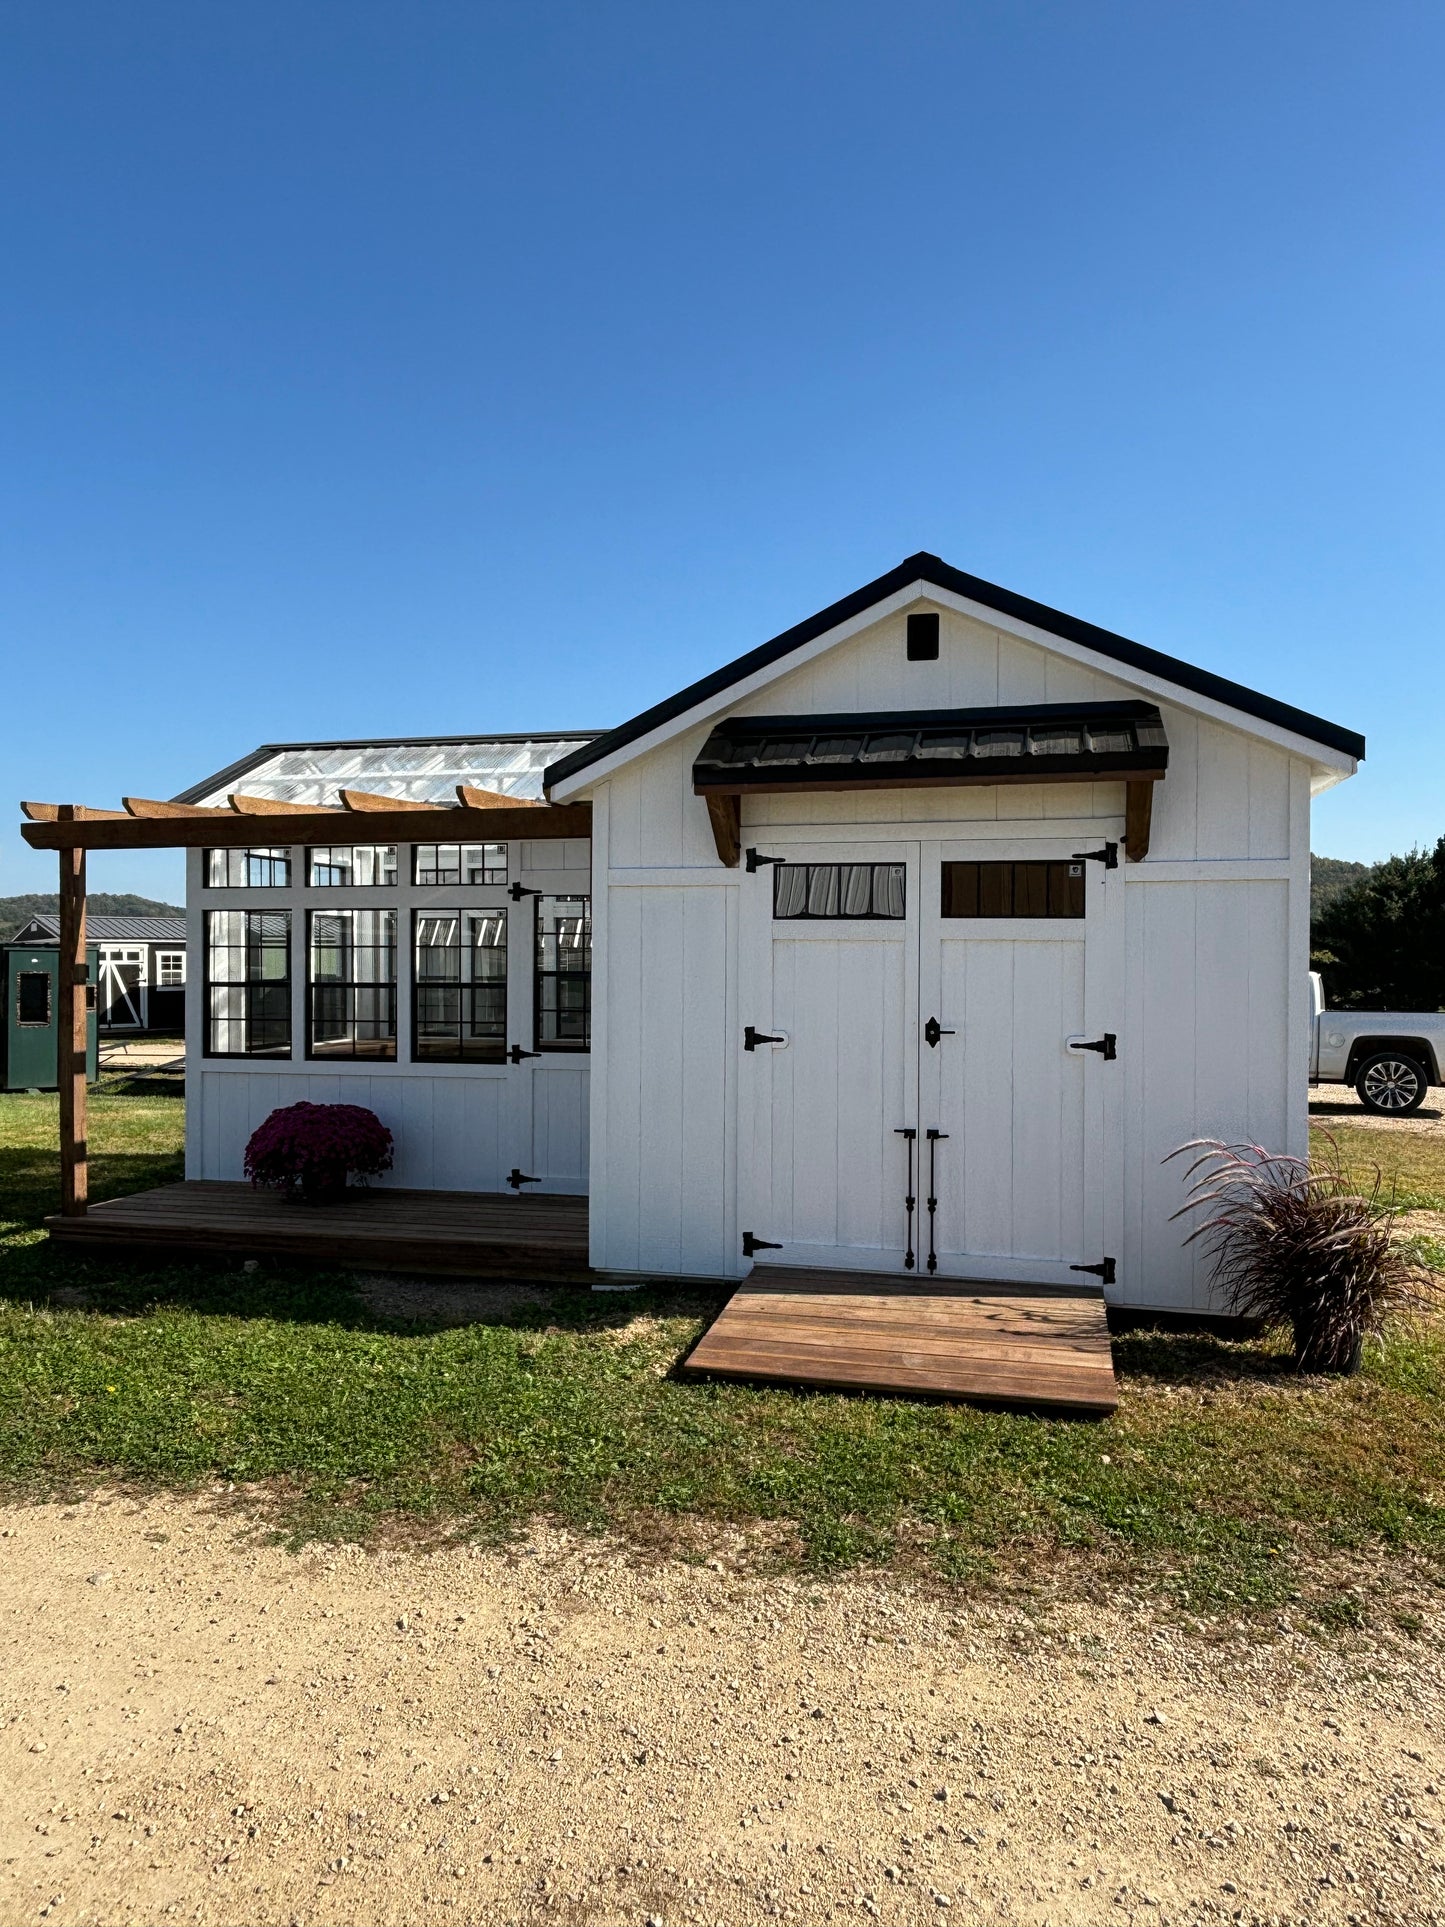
<point x="309" y="1152"/>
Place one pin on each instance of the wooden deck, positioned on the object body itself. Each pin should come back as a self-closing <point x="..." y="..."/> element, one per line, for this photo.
<point x="476" y="1233"/>
<point x="995" y="1344"/>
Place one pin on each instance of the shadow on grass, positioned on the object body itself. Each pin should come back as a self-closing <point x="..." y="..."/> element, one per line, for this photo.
<point x="1170" y="1357"/>
<point x="30" y="1179"/>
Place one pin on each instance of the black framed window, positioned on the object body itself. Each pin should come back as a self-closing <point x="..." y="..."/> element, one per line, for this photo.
<point x="351" y="988"/>
<point x="32" y="999"/>
<point x="248" y="869"/>
<point x="459" y="986"/>
<point x="341" y="865"/>
<point x="563" y="1012"/>
<point x="248" y="983"/>
<point x="459" y="863"/>
<point x="1013" y="889"/>
<point x="852" y="891"/>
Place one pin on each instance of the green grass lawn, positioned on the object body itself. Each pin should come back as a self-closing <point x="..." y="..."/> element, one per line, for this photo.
<point x="1222" y="1480"/>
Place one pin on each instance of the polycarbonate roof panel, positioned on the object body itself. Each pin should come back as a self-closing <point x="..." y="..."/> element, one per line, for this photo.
<point x="415" y="772"/>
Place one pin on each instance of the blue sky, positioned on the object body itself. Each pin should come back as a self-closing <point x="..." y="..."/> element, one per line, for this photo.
<point x="368" y="369"/>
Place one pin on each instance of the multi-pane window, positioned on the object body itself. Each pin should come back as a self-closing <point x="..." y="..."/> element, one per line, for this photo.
<point x="170" y="969"/>
<point x="352" y="984"/>
<point x="248" y="983"/>
<point x="564" y="973"/>
<point x="459" y="863"/>
<point x="844" y="890"/>
<point x="1029" y="889"/>
<point x="248" y="869"/>
<point x="338" y="864"/>
<point x="459" y="992"/>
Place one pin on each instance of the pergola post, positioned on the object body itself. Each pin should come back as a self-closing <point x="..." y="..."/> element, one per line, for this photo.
<point x="73" y="1029"/>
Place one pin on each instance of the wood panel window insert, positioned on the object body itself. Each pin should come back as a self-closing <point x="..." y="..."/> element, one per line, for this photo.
<point x="845" y="891"/>
<point x="248" y="869"/>
<point x="248" y="983"/>
<point x="1029" y="889"/>
<point x="459" y="990"/>
<point x="351" y="991"/>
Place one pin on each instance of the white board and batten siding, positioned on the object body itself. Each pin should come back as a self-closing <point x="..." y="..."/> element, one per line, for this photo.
<point x="1209" y="1002"/>
<point x="457" y="1127"/>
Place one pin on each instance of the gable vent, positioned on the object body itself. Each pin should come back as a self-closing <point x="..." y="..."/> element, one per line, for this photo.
<point x="923" y="638"/>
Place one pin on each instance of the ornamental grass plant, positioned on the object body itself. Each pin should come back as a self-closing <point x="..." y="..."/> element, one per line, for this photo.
<point x="1299" y="1245"/>
<point x="311" y="1151"/>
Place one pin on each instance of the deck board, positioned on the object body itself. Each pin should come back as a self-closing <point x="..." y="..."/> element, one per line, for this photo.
<point x="470" y="1232"/>
<point x="997" y="1344"/>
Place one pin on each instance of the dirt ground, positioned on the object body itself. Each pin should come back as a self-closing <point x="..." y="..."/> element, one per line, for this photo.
<point x="198" y="1726"/>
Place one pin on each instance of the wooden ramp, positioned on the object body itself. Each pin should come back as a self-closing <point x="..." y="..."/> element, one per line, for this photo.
<point x="478" y="1233"/>
<point x="996" y="1344"/>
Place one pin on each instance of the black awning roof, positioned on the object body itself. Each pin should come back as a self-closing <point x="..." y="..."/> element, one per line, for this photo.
<point x="1027" y="743"/>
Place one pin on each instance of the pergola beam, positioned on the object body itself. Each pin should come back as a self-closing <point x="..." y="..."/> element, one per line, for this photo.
<point x="226" y="829"/>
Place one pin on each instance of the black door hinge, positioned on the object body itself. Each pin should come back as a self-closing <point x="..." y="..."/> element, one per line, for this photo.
<point x="1104" y="1271"/>
<point x="752" y="1037"/>
<point x="752" y="1244"/>
<point x="517" y="1178"/>
<point x="1108" y="856"/>
<point x="516" y="1054"/>
<point x="1107" y="1046"/>
<point x="754" y="859"/>
<point x="519" y="890"/>
<point x="933" y="1030"/>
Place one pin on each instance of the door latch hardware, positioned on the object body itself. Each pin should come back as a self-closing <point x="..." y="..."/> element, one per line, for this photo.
<point x="1106" y="1046"/>
<point x="517" y="1178"/>
<point x="1103" y="1271"/>
<point x="516" y="1054"/>
<point x="754" y="859"/>
<point x="1108" y="856"/>
<point x="519" y="890"/>
<point x="752" y="1037"/>
<point x="935" y="1138"/>
<point x="933" y="1030"/>
<point x="753" y="1244"/>
<point x="909" y="1200"/>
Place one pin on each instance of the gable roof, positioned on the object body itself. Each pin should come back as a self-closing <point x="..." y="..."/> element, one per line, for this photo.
<point x="931" y="569"/>
<point x="107" y="927"/>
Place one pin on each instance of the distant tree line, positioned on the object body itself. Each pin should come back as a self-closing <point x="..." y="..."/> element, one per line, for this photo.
<point x="16" y="912"/>
<point x="1378" y="939"/>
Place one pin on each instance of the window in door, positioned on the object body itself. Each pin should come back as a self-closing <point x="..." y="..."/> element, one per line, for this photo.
<point x="564" y="973"/>
<point x="32" y="999"/>
<point x="850" y="891"/>
<point x="1028" y="889"/>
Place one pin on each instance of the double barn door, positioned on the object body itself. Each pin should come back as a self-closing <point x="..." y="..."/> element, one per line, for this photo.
<point x="924" y="1017"/>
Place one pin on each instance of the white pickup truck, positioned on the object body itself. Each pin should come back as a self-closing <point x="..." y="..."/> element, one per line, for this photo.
<point x="1391" y="1057"/>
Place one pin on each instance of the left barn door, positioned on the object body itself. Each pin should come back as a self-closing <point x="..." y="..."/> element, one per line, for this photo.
<point x="831" y="971"/>
<point x="123" y="988"/>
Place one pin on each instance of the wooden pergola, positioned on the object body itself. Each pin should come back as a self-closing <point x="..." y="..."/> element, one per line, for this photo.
<point x="145" y="824"/>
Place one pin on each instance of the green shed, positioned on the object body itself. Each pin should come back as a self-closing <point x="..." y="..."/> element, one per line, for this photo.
<point x="32" y="1008"/>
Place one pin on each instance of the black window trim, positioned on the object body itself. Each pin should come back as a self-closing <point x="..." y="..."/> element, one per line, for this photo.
<point x="288" y="1055"/>
<point x="351" y="985"/>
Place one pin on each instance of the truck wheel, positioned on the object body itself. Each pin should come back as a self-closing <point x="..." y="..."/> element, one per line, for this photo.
<point x="1391" y="1084"/>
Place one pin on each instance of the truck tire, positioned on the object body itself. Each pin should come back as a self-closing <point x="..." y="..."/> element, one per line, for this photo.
<point x="1391" y="1084"/>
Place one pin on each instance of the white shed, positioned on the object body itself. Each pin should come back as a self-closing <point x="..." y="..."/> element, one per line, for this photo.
<point x="1021" y="907"/>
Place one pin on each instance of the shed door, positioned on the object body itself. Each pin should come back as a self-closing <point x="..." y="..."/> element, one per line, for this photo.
<point x="122" y="989"/>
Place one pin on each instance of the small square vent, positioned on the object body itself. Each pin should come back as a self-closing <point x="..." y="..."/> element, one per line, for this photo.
<point x="923" y="638"/>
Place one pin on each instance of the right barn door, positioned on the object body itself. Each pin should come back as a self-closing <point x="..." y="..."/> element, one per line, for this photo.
<point x="1017" y="1061"/>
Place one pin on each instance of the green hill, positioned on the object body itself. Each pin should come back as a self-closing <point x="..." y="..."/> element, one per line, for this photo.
<point x="15" y="912"/>
<point x="1329" y="875"/>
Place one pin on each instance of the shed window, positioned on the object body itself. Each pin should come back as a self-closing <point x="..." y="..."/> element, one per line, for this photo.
<point x="248" y="983"/>
<point x="32" y="999"/>
<point x="459" y="863"/>
<point x="459" y="997"/>
<point x="170" y="969"/>
<point x="352" y="988"/>
<point x="337" y="865"/>
<point x="838" y="890"/>
<point x="1013" y="889"/>
<point x="248" y="869"/>
<point x="564" y="974"/>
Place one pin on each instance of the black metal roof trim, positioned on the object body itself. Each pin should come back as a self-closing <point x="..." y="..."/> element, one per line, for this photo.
<point x="924" y="567"/>
<point x="245" y="764"/>
<point x="1020" y="743"/>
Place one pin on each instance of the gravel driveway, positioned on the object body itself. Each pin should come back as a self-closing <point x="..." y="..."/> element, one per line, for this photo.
<point x="198" y="1728"/>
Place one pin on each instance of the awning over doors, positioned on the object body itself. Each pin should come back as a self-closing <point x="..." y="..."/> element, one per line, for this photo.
<point x="933" y="748"/>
